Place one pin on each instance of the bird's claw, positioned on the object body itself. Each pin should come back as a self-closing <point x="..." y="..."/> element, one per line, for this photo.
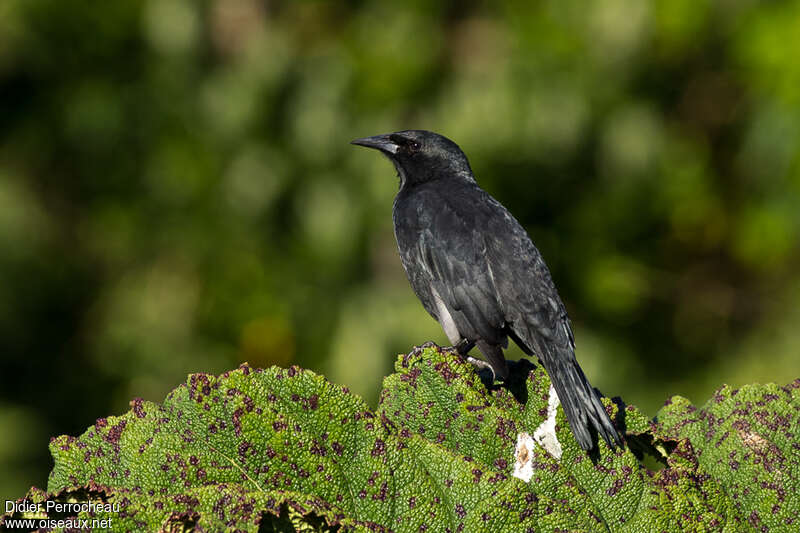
<point x="480" y="364"/>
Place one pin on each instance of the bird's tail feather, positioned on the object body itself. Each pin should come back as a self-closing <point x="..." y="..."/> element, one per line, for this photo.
<point x="581" y="402"/>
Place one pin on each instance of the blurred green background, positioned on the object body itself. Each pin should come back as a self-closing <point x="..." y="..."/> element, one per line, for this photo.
<point x="177" y="193"/>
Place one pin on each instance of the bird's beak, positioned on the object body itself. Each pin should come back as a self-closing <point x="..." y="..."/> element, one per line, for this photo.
<point x="379" y="142"/>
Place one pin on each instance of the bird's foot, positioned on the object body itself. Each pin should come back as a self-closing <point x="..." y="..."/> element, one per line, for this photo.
<point x="484" y="369"/>
<point x="461" y="348"/>
<point x="481" y="365"/>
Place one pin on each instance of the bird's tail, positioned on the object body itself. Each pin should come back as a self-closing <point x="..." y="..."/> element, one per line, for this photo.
<point x="581" y="402"/>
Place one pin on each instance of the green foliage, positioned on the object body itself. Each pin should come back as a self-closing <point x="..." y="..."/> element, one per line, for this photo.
<point x="286" y="450"/>
<point x="749" y="441"/>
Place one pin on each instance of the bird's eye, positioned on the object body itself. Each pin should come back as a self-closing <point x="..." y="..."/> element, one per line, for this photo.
<point x="407" y="145"/>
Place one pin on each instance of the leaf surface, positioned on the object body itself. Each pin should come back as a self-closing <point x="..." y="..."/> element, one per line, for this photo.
<point x="284" y="449"/>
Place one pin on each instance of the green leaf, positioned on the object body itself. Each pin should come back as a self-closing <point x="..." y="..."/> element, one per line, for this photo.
<point x="748" y="440"/>
<point x="285" y="450"/>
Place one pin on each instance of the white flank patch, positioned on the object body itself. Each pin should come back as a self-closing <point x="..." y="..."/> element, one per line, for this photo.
<point x="523" y="457"/>
<point x="545" y="434"/>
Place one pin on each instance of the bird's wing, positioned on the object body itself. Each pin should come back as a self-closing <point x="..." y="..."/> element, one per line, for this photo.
<point x="527" y="296"/>
<point x="447" y="252"/>
<point x="537" y="321"/>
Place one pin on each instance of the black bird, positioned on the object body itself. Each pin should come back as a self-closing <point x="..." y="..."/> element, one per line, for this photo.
<point x="478" y="273"/>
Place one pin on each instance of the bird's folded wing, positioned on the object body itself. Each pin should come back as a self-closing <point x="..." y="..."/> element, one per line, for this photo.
<point x="527" y="295"/>
<point x="459" y="272"/>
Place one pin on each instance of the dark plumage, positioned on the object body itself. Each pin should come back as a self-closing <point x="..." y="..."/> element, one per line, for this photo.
<point x="477" y="272"/>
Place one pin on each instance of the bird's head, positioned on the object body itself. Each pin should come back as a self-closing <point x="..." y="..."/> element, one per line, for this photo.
<point x="420" y="155"/>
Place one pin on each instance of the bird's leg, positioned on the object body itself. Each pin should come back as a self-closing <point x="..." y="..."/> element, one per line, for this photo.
<point x="463" y="347"/>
